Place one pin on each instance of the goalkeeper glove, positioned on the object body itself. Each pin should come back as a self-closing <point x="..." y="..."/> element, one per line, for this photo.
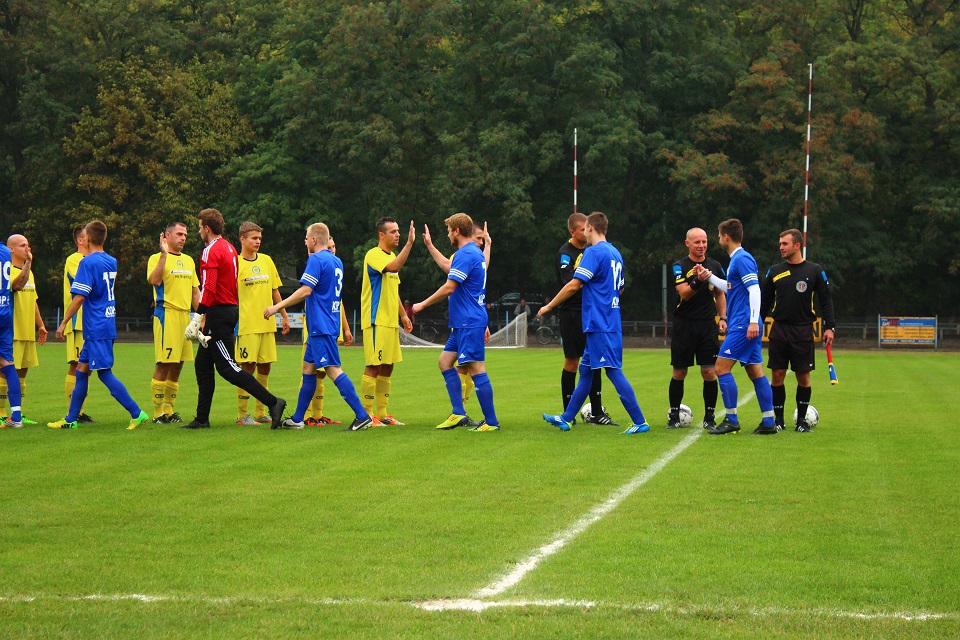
<point x="192" y="332"/>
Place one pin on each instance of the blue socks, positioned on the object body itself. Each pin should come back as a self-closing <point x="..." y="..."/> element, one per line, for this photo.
<point x="728" y="389"/>
<point x="580" y="394"/>
<point x="455" y="390"/>
<point x="79" y="395"/>
<point x="485" y="397"/>
<point x="13" y="392"/>
<point x="348" y="392"/>
<point x="627" y="396"/>
<point x="765" y="398"/>
<point x="117" y="390"/>
<point x="307" y="389"/>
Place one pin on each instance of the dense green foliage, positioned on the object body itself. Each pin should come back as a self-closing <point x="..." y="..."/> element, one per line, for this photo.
<point x="288" y="112"/>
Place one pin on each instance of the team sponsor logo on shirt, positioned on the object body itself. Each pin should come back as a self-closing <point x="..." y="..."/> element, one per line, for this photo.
<point x="781" y="275"/>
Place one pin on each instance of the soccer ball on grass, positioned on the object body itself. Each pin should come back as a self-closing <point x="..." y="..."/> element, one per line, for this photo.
<point x="685" y="417"/>
<point x="813" y="416"/>
<point x="586" y="411"/>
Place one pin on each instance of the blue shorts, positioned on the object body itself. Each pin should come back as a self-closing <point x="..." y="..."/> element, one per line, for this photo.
<point x="736" y="347"/>
<point x="6" y="343"/>
<point x="603" y="350"/>
<point x="467" y="344"/>
<point x="98" y="354"/>
<point x="322" y="352"/>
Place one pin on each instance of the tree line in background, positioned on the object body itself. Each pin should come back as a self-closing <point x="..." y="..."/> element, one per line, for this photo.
<point x="288" y="112"/>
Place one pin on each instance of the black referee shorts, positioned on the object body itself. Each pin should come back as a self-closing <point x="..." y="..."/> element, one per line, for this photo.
<point x="791" y="344"/>
<point x="571" y="333"/>
<point x="694" y="339"/>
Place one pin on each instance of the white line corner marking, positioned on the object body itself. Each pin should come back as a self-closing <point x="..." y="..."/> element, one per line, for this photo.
<point x="596" y="513"/>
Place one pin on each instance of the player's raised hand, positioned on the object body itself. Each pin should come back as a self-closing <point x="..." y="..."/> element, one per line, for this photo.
<point x="412" y="236"/>
<point x="426" y="236"/>
<point x="486" y="234"/>
<point x="164" y="245"/>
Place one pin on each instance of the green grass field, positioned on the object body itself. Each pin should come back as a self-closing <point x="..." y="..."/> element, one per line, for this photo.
<point x="246" y="532"/>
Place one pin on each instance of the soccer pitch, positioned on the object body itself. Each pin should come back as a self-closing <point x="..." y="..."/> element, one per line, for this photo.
<point x="850" y="531"/>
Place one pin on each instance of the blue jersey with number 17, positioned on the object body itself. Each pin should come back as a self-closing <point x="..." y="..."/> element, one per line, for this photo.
<point x="95" y="278"/>
<point x="468" y="301"/>
<point x="323" y="274"/>
<point x="601" y="270"/>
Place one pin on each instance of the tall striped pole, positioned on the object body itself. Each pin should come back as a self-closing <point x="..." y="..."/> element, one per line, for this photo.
<point x="806" y="191"/>
<point x="574" y="169"/>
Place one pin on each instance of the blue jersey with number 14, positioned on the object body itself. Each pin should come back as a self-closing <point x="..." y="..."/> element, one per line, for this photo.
<point x="95" y="278"/>
<point x="601" y="270"/>
<point x="324" y="274"/>
<point x="468" y="301"/>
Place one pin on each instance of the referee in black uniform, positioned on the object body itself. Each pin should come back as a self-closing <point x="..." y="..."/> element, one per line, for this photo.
<point x="790" y="293"/>
<point x="695" y="328"/>
<point x="571" y="322"/>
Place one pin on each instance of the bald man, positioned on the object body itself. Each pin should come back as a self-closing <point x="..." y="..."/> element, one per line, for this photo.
<point x="26" y="318"/>
<point x="696" y="326"/>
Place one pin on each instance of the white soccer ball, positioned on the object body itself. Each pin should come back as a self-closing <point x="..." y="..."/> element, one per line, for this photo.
<point x="813" y="416"/>
<point x="586" y="411"/>
<point x="686" y="415"/>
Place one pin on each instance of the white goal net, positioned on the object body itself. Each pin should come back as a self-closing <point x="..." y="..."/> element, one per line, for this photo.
<point x="512" y="336"/>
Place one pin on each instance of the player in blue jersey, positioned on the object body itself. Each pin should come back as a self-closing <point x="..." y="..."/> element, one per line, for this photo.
<point x="600" y="276"/>
<point x="466" y="286"/>
<point x="744" y="338"/>
<point x="322" y="286"/>
<point x="93" y="289"/>
<point x="9" y="369"/>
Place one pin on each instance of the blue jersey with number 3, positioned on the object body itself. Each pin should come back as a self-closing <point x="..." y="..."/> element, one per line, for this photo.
<point x="601" y="270"/>
<point x="468" y="307"/>
<point x="95" y="278"/>
<point x="323" y="274"/>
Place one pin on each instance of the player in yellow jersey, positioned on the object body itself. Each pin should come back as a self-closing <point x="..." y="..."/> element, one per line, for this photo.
<point x="73" y="332"/>
<point x="316" y="417"/>
<point x="26" y="320"/>
<point x="258" y="287"/>
<point x="381" y="314"/>
<point x="482" y="239"/>
<point x="176" y="291"/>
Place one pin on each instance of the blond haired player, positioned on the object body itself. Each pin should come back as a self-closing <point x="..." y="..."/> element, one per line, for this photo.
<point x="73" y="332"/>
<point x="317" y="419"/>
<point x="176" y="291"/>
<point x="381" y="314"/>
<point x="258" y="287"/>
<point x="26" y="320"/>
<point x="481" y="237"/>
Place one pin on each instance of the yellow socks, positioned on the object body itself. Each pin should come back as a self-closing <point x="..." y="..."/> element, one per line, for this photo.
<point x="368" y="392"/>
<point x="383" y="395"/>
<point x="171" y="397"/>
<point x="158" y="389"/>
<point x="243" y="403"/>
<point x="316" y="405"/>
<point x="260" y="408"/>
<point x="466" y="382"/>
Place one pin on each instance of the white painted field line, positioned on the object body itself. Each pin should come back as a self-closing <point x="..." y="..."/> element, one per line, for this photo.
<point x="600" y="510"/>
<point x="474" y="605"/>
